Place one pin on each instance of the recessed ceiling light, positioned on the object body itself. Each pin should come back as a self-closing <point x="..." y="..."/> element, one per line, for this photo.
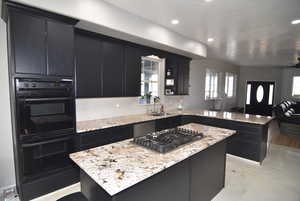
<point x="210" y="40"/>
<point x="208" y="0"/>
<point x="175" y="21"/>
<point x="296" y="21"/>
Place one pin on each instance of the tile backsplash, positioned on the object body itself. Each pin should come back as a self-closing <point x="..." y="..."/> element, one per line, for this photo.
<point x="98" y="108"/>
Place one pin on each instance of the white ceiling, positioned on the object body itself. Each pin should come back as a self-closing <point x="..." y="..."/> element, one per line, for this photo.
<point x="246" y="32"/>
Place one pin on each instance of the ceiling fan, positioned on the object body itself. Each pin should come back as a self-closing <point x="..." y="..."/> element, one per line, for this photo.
<point x="297" y="65"/>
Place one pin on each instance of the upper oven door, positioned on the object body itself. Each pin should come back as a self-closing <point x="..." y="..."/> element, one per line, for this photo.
<point x="46" y="116"/>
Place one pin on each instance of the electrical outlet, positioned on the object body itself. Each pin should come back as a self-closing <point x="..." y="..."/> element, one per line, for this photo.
<point x="10" y="194"/>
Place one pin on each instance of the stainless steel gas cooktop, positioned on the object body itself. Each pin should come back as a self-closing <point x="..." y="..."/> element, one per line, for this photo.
<point x="167" y="140"/>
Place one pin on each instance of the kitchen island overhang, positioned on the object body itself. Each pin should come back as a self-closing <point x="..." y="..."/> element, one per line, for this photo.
<point x="126" y="171"/>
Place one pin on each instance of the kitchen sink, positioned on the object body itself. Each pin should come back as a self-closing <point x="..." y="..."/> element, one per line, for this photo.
<point x="161" y="114"/>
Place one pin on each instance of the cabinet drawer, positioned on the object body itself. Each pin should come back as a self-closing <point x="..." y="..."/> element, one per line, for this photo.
<point x="103" y="137"/>
<point x="120" y="133"/>
<point x="167" y="123"/>
<point x="94" y="139"/>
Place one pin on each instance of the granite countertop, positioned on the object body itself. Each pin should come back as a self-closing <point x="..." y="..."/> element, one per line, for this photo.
<point x="118" y="166"/>
<point x="90" y="125"/>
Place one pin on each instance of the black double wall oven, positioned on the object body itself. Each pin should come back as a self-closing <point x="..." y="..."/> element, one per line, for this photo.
<point x="46" y="124"/>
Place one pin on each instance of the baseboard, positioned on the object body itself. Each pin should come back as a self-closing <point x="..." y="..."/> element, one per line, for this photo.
<point x="70" y="189"/>
<point x="244" y="159"/>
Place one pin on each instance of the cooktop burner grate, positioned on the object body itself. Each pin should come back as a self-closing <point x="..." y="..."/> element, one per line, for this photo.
<point x="166" y="140"/>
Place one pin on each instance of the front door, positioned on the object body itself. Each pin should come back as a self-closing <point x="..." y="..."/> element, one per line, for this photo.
<point x="260" y="97"/>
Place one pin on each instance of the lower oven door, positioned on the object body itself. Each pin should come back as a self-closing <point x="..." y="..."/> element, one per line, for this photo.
<point x="45" y="157"/>
<point x="46" y="117"/>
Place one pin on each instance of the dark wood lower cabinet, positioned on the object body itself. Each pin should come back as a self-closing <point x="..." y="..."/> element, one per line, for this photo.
<point x="198" y="178"/>
<point x="167" y="123"/>
<point x="244" y="149"/>
<point x="49" y="183"/>
<point x="102" y="137"/>
<point x="250" y="142"/>
<point x="186" y="119"/>
<point x="208" y="172"/>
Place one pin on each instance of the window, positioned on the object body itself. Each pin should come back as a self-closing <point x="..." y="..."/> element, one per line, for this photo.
<point x="249" y="87"/>
<point x="230" y="85"/>
<point x="271" y="94"/>
<point x="296" y="86"/>
<point x="260" y="93"/>
<point x="150" y="77"/>
<point x="211" y="85"/>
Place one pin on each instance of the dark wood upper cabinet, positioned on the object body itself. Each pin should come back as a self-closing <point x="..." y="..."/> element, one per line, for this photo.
<point x="178" y="69"/>
<point x="183" y="66"/>
<point x="88" y="67"/>
<point x="186" y="80"/>
<point x="113" y="68"/>
<point x="180" y="79"/>
<point x="28" y="40"/>
<point x="60" y="47"/>
<point x="133" y="59"/>
<point x="171" y="72"/>
<point x="107" y="67"/>
<point x="41" y="43"/>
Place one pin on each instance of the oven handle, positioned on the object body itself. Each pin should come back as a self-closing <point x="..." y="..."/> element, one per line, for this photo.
<point x="45" y="142"/>
<point x="46" y="99"/>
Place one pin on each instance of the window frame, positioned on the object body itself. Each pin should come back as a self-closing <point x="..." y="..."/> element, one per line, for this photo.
<point x="226" y="85"/>
<point x="293" y="87"/>
<point x="212" y="92"/>
<point x="159" y="81"/>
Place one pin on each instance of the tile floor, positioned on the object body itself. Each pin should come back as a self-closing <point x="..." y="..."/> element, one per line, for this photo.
<point x="278" y="179"/>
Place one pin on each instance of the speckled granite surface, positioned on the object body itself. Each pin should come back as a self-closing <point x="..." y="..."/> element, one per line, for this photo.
<point x="120" y="165"/>
<point x="84" y="126"/>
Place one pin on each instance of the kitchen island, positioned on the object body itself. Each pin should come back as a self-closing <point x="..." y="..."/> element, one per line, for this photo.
<point x="127" y="172"/>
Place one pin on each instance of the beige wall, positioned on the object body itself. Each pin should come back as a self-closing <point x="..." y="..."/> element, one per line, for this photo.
<point x="197" y="83"/>
<point x="287" y="83"/>
<point x="7" y="172"/>
<point x="282" y="76"/>
<point x="249" y="73"/>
